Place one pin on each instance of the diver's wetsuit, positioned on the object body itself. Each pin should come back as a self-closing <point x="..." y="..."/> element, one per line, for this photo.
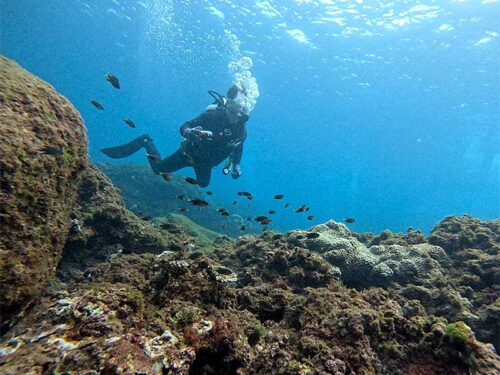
<point x="204" y="153"/>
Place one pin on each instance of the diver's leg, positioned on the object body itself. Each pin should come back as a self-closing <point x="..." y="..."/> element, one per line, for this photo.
<point x="202" y="175"/>
<point x="154" y="156"/>
<point x="129" y="148"/>
<point x="171" y="163"/>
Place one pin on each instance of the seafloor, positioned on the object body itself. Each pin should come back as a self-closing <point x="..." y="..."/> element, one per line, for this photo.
<point x="88" y="287"/>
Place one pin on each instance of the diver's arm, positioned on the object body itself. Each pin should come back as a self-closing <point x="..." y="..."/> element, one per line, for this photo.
<point x="194" y="127"/>
<point x="237" y="153"/>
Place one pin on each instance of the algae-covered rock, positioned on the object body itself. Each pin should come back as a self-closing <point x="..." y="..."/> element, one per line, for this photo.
<point x="103" y="227"/>
<point x="42" y="155"/>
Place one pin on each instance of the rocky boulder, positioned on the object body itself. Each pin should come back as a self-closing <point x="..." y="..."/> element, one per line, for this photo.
<point x="42" y="155"/>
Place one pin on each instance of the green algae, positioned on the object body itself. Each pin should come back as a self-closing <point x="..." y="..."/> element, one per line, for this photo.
<point x="459" y="333"/>
<point x="254" y="333"/>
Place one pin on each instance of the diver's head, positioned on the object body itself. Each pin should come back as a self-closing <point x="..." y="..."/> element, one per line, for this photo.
<point x="234" y="108"/>
<point x="233" y="91"/>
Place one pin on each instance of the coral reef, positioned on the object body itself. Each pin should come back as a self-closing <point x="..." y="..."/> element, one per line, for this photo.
<point x="168" y="313"/>
<point x="474" y="249"/>
<point x="42" y="155"/>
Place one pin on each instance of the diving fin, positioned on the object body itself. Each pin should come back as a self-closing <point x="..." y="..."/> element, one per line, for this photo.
<point x="127" y="149"/>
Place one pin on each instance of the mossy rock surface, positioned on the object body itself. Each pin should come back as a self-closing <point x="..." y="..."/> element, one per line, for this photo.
<point x="38" y="189"/>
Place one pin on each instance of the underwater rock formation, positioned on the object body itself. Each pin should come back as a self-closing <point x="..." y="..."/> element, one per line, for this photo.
<point x="474" y="249"/>
<point x="170" y="313"/>
<point x="103" y="228"/>
<point x="147" y="193"/>
<point x="42" y="156"/>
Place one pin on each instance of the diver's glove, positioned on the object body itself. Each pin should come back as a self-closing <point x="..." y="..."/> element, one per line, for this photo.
<point x="236" y="171"/>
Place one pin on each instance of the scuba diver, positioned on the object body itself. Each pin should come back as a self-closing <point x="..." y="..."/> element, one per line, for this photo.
<point x="215" y="135"/>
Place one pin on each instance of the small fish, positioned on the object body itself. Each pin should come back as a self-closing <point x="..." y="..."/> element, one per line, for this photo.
<point x="209" y="193"/>
<point x="307" y="209"/>
<point x="286" y="205"/>
<point x="235" y="203"/>
<point x="350" y="220"/>
<point x="144" y="217"/>
<point x="225" y="213"/>
<point x="113" y="80"/>
<point x="166" y="176"/>
<point x="54" y="151"/>
<point x="271" y="212"/>
<point x="153" y="158"/>
<point x="261" y="218"/>
<point x="198" y="202"/>
<point x="190" y="180"/>
<point x="249" y="218"/>
<point x="129" y="122"/>
<point x="243" y="227"/>
<point x="312" y="235"/>
<point x="310" y="217"/>
<point x="97" y="104"/>
<point x="245" y="194"/>
<point x="181" y="196"/>
<point x="279" y="196"/>
<point x="222" y="209"/>
<point x="223" y="226"/>
<point x="302" y="208"/>
<point x="183" y="209"/>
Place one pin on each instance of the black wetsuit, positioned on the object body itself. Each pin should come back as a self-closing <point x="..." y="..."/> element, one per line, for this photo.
<point x="205" y="153"/>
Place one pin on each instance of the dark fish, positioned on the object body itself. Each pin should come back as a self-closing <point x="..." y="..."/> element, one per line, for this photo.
<point x="286" y="205"/>
<point x="249" y="218"/>
<point x="279" y="196"/>
<point x="183" y="209"/>
<point x="97" y="104"/>
<point x="272" y="212"/>
<point x="310" y="217"/>
<point x="261" y="218"/>
<point x="312" y="235"/>
<point x="54" y="151"/>
<point x="190" y="180"/>
<point x="209" y="193"/>
<point x="198" y="202"/>
<point x="166" y="176"/>
<point x="301" y="208"/>
<point x="235" y="203"/>
<point x="350" y="220"/>
<point x="221" y="210"/>
<point x="129" y="122"/>
<point x="225" y="213"/>
<point x="113" y="80"/>
<point x="307" y="209"/>
<point x="243" y="227"/>
<point x="181" y="196"/>
<point x="144" y="217"/>
<point x="153" y="158"/>
<point x="245" y="194"/>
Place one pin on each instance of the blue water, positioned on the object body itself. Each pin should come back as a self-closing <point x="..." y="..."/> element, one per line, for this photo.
<point x="388" y="112"/>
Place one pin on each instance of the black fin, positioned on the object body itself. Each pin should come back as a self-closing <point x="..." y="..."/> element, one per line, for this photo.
<point x="127" y="149"/>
